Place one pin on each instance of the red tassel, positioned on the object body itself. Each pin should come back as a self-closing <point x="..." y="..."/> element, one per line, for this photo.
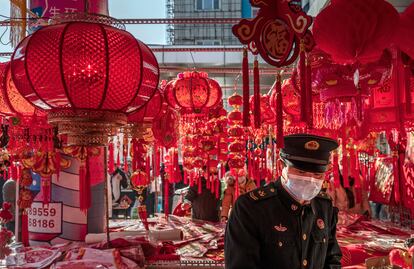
<point x="13" y="170"/>
<point x="135" y="156"/>
<point x="396" y="177"/>
<point x="125" y="153"/>
<point x="354" y="171"/>
<point x="337" y="182"/>
<point x="217" y="188"/>
<point x="408" y="89"/>
<point x="58" y="160"/>
<point x="185" y="177"/>
<point x="111" y="163"/>
<point x="84" y="186"/>
<point x="45" y="190"/>
<point x="309" y="101"/>
<point x="279" y="112"/>
<point x="118" y="158"/>
<point x="148" y="168"/>
<point x="256" y="93"/>
<point x="302" y="70"/>
<point x="345" y="169"/>
<point x="166" y="200"/>
<point x="200" y="190"/>
<point x="156" y="161"/>
<point x="359" y="105"/>
<point x="191" y="178"/>
<point x="25" y="228"/>
<point x="246" y="90"/>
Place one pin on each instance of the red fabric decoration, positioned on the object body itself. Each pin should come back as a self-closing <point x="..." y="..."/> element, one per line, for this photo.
<point x="246" y="90"/>
<point x="256" y="77"/>
<point x="86" y="68"/>
<point x="192" y="92"/>
<point x="355" y="31"/>
<point x="25" y="228"/>
<point x="276" y="32"/>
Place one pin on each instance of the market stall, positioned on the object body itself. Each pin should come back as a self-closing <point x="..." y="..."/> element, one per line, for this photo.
<point x="84" y="112"/>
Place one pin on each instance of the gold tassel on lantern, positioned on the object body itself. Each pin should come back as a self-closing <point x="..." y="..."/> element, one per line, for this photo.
<point x="18" y="10"/>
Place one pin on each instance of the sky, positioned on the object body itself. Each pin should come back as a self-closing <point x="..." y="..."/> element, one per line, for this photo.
<point x="149" y="34"/>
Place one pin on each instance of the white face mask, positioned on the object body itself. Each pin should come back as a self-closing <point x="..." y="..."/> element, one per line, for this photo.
<point x="302" y="188"/>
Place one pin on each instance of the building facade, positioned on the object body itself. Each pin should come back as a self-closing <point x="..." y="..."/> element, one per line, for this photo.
<point x="200" y="34"/>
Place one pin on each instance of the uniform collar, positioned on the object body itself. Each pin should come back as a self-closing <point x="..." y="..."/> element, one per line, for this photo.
<point x="289" y="202"/>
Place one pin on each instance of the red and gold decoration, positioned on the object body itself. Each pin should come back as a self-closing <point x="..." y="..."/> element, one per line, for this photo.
<point x="83" y="153"/>
<point x="85" y="69"/>
<point x="237" y="145"/>
<point x="276" y="32"/>
<point x="192" y="92"/>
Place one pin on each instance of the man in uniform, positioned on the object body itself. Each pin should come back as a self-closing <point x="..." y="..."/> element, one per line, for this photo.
<point x="287" y="224"/>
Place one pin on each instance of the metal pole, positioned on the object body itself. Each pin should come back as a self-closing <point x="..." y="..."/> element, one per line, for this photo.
<point x="106" y="194"/>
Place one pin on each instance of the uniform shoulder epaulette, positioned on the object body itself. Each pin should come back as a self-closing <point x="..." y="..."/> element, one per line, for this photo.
<point x="324" y="195"/>
<point x="262" y="193"/>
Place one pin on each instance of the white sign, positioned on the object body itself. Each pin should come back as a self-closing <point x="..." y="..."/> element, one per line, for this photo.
<point x="45" y="218"/>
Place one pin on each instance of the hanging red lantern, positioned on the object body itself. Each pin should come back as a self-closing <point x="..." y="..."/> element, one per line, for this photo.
<point x="355" y="31"/>
<point x="193" y="92"/>
<point x="165" y="128"/>
<point x="291" y="100"/>
<point x="266" y="113"/>
<point x="235" y="100"/>
<point x="148" y="112"/>
<point x="76" y="69"/>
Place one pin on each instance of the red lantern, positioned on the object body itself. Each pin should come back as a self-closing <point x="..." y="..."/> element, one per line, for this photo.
<point x="88" y="75"/>
<point x="291" y="100"/>
<point x="193" y="92"/>
<point x="235" y="100"/>
<point x="266" y="113"/>
<point x="354" y="30"/>
<point x="235" y="115"/>
<point x="151" y="110"/>
<point x="165" y="128"/>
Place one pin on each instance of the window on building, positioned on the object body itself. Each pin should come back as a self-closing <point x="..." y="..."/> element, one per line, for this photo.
<point x="207" y="4"/>
<point x="208" y="42"/>
<point x="254" y="12"/>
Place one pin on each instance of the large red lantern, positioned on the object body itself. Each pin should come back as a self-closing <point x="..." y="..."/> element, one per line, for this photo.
<point x="88" y="75"/>
<point x="193" y="92"/>
<point x="354" y="30"/>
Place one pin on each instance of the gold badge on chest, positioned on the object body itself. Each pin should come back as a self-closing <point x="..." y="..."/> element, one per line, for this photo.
<point x="280" y="228"/>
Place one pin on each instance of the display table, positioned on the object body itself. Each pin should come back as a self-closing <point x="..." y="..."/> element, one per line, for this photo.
<point x="201" y="245"/>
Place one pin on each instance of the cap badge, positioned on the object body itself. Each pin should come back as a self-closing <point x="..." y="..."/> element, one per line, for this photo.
<point x="294" y="207"/>
<point x="321" y="224"/>
<point x="312" y="145"/>
<point x="280" y="228"/>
